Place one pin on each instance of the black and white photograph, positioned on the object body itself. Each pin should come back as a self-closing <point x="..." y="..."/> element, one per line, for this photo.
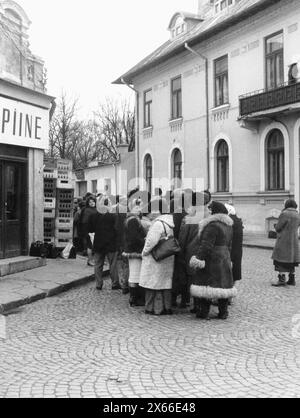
<point x="149" y="202"/>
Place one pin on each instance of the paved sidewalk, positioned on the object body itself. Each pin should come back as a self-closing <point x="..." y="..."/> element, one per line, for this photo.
<point x="56" y="277"/>
<point x="259" y="241"/>
<point x="90" y="344"/>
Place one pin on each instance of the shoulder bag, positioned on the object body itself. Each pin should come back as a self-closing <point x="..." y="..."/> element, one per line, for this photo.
<point x="167" y="247"/>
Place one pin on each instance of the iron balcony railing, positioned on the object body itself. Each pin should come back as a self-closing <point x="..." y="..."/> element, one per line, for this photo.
<point x="258" y="101"/>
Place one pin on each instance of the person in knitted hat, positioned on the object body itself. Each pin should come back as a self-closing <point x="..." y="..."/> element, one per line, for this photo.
<point x="218" y="208"/>
<point x="212" y="263"/>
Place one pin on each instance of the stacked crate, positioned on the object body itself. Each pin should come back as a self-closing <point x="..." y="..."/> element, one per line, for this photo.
<point x="50" y="182"/>
<point x="58" y="202"/>
<point x="64" y="217"/>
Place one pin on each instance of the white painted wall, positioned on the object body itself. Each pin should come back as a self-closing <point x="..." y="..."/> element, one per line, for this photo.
<point x="244" y="44"/>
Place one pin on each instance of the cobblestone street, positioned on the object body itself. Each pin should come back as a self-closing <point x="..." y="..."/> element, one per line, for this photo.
<point x="86" y="343"/>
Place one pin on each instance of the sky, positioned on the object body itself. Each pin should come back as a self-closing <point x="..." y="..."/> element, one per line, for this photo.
<point x="88" y="44"/>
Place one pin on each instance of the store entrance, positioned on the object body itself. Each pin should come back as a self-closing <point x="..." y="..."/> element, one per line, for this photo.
<point x="13" y="207"/>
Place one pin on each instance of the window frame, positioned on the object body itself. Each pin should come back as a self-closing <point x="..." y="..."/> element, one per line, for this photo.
<point x="278" y="157"/>
<point x="224" y="186"/>
<point x="273" y="54"/>
<point x="94" y="189"/>
<point x="177" y="168"/>
<point x="148" y="179"/>
<point x="178" y="95"/>
<point x="148" y="108"/>
<point x="221" y="76"/>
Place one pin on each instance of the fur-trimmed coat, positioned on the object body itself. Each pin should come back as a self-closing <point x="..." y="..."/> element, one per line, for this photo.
<point x="215" y="281"/>
<point x="287" y="245"/>
<point x="188" y="235"/>
<point x="157" y="275"/>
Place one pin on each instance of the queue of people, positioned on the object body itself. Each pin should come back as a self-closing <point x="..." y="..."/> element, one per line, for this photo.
<point x="208" y="264"/>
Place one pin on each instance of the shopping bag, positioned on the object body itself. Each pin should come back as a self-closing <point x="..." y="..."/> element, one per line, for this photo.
<point x="66" y="252"/>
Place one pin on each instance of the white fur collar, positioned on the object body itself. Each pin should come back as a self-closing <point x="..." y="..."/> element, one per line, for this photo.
<point x="219" y="217"/>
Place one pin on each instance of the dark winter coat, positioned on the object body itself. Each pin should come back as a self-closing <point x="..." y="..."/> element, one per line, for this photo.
<point x="104" y="227"/>
<point x="85" y="216"/>
<point x="237" y="247"/>
<point x="134" y="237"/>
<point x="121" y="215"/>
<point x="215" y="281"/>
<point x="287" y="245"/>
<point x="178" y="219"/>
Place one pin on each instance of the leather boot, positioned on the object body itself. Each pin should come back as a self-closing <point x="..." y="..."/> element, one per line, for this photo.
<point x="140" y="292"/>
<point x="133" y="296"/>
<point x="281" y="281"/>
<point x="223" y="308"/>
<point x="204" y="308"/>
<point x="291" y="281"/>
<point x="196" y="306"/>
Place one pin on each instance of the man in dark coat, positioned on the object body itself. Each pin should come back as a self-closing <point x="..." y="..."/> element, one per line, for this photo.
<point x="212" y="263"/>
<point x="103" y="224"/>
<point x="237" y="244"/>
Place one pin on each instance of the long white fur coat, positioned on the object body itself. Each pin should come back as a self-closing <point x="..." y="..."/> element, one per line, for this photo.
<point x="157" y="276"/>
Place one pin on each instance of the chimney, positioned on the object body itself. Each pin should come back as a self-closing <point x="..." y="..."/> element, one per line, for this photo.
<point x="204" y="6"/>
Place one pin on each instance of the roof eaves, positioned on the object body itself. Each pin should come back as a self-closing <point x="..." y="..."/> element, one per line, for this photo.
<point x="234" y="19"/>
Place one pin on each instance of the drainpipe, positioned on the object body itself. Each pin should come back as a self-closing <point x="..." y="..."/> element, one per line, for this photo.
<point x="203" y="57"/>
<point x="52" y="110"/>
<point x="137" y="138"/>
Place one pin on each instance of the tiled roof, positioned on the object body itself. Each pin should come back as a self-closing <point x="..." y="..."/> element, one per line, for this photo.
<point x="198" y="33"/>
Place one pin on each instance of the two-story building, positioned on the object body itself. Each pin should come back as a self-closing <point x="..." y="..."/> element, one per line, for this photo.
<point x="220" y="100"/>
<point x="24" y="134"/>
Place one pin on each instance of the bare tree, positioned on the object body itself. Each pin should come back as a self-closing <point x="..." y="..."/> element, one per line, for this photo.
<point x="114" y="125"/>
<point x="64" y="128"/>
<point x="86" y="141"/>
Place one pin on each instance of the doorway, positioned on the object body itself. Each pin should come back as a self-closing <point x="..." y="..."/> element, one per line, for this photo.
<point x="13" y="209"/>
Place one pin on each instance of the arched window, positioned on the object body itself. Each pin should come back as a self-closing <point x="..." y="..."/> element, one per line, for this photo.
<point x="275" y="160"/>
<point x="148" y="172"/>
<point x="222" y="166"/>
<point x="177" y="168"/>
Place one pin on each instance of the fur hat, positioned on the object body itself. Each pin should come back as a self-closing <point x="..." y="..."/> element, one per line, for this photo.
<point x="218" y="207"/>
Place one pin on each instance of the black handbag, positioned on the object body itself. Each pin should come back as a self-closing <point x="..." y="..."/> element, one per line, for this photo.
<point x="167" y="247"/>
<point x="38" y="249"/>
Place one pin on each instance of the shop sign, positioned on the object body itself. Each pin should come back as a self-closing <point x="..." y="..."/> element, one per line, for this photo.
<point x="23" y="125"/>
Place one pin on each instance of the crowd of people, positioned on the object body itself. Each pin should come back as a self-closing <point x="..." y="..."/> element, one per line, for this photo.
<point x="203" y="271"/>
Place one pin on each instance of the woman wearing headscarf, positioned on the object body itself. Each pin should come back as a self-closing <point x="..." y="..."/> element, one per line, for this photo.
<point x="237" y="244"/>
<point x="156" y="277"/>
<point x="286" y="252"/>
<point x="212" y="263"/>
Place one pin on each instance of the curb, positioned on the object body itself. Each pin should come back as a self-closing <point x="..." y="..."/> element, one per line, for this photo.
<point x="259" y="246"/>
<point x="9" y="306"/>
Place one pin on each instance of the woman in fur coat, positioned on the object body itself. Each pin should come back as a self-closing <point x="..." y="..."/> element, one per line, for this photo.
<point x="188" y="233"/>
<point x="212" y="263"/>
<point x="286" y="252"/>
<point x="156" y="277"/>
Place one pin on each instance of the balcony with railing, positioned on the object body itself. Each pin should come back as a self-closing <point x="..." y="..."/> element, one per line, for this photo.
<point x="264" y="101"/>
